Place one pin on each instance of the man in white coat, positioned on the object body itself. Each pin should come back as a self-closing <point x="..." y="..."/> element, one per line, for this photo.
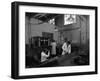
<point x="69" y="47"/>
<point x="53" y="45"/>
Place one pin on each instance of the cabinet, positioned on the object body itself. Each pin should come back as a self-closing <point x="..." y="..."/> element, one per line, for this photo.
<point x="40" y="41"/>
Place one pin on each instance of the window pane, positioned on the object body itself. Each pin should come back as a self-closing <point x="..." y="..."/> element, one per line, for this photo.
<point x="69" y="19"/>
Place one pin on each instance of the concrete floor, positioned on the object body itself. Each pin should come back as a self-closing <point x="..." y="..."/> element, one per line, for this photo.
<point x="67" y="60"/>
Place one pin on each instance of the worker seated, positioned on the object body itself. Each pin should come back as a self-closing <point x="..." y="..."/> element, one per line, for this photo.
<point x="45" y="55"/>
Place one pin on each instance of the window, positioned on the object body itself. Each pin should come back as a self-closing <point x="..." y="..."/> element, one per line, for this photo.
<point x="69" y="19"/>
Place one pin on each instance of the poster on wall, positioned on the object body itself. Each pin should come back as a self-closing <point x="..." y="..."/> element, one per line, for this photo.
<point x="51" y="40"/>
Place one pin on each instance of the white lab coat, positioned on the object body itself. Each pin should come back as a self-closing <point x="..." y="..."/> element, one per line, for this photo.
<point x="44" y="56"/>
<point x="66" y="49"/>
<point x="69" y="49"/>
<point x="53" y="50"/>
